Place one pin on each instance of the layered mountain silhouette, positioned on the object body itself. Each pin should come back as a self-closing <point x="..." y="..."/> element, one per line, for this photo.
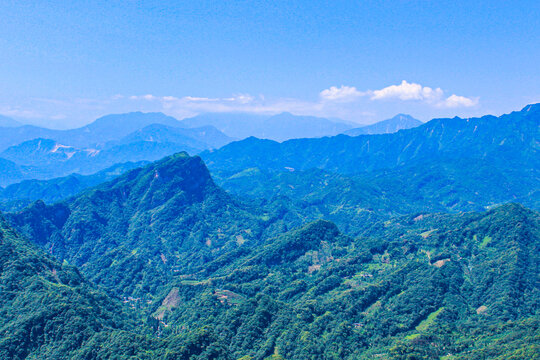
<point x="338" y="247"/>
<point x="278" y="127"/>
<point x="414" y="277"/>
<point x="510" y="138"/>
<point x="22" y="194"/>
<point x="108" y="141"/>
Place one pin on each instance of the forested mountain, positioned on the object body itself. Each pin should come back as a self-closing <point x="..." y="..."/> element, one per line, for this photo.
<point x="423" y="285"/>
<point x="278" y="127"/>
<point x="149" y="223"/>
<point x="398" y="122"/>
<point x="511" y="138"/>
<point x="368" y="252"/>
<point x="47" y="309"/>
<point x="448" y="186"/>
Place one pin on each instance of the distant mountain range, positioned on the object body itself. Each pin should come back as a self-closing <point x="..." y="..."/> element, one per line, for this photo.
<point x="510" y="140"/>
<point x="96" y="134"/>
<point x="30" y="152"/>
<point x="278" y="127"/>
<point x="398" y="122"/>
<point x="40" y="153"/>
<point x="21" y="194"/>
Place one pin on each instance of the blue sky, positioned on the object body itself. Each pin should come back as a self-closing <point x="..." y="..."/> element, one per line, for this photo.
<point x="64" y="63"/>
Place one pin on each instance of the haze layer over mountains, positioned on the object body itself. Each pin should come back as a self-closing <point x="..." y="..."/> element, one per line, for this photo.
<point x="29" y="152"/>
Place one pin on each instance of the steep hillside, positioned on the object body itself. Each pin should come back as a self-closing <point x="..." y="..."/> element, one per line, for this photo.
<point x="47" y="309"/>
<point x="229" y="279"/>
<point x="133" y="234"/>
<point x="447" y="186"/>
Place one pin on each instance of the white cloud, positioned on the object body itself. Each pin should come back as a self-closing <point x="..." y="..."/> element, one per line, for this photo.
<point x="411" y="91"/>
<point x="148" y="97"/>
<point x="343" y="93"/>
<point x="407" y="91"/>
<point x="454" y="101"/>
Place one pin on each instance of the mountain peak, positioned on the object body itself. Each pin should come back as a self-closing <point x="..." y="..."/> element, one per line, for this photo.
<point x="531" y="108"/>
<point x="178" y="176"/>
<point x="392" y="125"/>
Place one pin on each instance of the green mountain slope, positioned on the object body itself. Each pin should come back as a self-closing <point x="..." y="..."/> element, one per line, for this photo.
<point x="213" y="272"/>
<point x="423" y="286"/>
<point x="48" y="310"/>
<point x="133" y="234"/>
<point x="448" y="186"/>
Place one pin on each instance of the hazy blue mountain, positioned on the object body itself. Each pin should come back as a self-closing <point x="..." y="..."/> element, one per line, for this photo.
<point x="279" y="127"/>
<point x="8" y="122"/>
<point x="44" y="158"/>
<point x="53" y="190"/>
<point x="10" y="172"/>
<point x="40" y="152"/>
<point x="511" y="140"/>
<point x="287" y="126"/>
<point x="235" y="125"/>
<point x="11" y="136"/>
<point x="398" y="122"/>
<point x="102" y="130"/>
<point x="116" y="126"/>
<point x="204" y="137"/>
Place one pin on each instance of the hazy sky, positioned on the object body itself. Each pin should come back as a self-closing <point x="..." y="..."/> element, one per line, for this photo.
<point x="64" y="63"/>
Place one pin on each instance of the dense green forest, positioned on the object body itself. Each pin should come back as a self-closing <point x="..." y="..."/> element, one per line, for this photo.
<point x="184" y="262"/>
<point x="413" y="254"/>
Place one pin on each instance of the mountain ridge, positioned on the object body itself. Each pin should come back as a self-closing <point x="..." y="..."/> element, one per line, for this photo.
<point x="511" y="135"/>
<point x="278" y="127"/>
<point x="392" y="125"/>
